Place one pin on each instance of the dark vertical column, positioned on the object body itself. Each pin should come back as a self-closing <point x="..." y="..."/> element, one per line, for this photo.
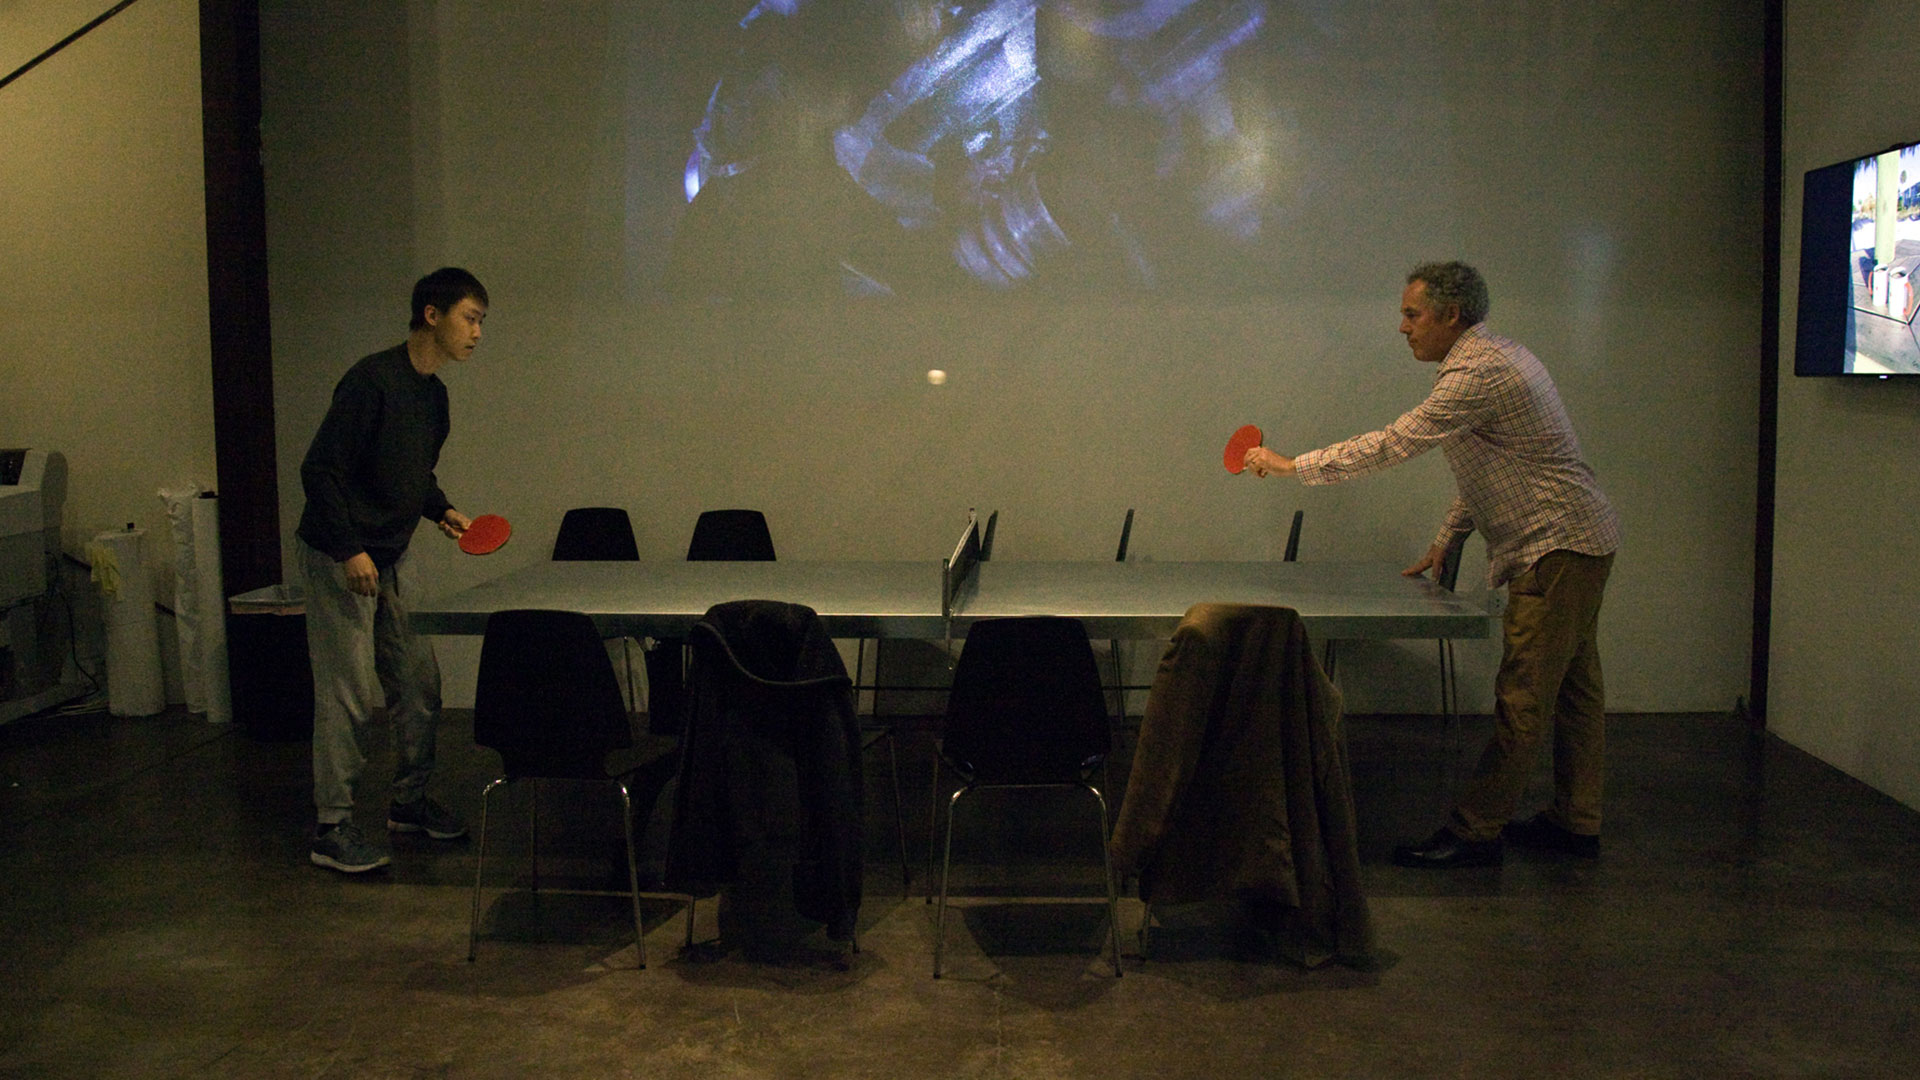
<point x="1773" y="77"/>
<point x="245" y="469"/>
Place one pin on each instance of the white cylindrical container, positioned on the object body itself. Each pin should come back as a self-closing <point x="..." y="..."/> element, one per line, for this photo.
<point x="134" y="686"/>
<point x="187" y="614"/>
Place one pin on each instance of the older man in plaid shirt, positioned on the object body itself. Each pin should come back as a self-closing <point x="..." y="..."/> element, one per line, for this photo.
<point x="1550" y="535"/>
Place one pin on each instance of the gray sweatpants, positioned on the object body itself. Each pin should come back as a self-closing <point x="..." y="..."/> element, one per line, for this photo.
<point x="353" y="640"/>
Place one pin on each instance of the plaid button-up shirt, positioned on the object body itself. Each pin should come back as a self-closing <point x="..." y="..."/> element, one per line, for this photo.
<point x="1522" y="482"/>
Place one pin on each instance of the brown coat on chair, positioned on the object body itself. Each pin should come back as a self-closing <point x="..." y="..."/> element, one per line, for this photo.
<point x="1240" y="787"/>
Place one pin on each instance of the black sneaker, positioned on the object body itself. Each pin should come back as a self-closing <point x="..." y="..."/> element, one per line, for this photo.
<point x="427" y="816"/>
<point x="344" y="848"/>
<point x="1446" y="851"/>
<point x="1543" y="833"/>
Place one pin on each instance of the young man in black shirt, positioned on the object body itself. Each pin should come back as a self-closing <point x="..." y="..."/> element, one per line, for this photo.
<point x="369" y="479"/>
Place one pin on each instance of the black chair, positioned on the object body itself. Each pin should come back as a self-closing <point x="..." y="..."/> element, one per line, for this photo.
<point x="595" y="534"/>
<point x="546" y="700"/>
<point x="599" y="534"/>
<point x="1448" y="573"/>
<point x="1026" y="711"/>
<point x="731" y="536"/>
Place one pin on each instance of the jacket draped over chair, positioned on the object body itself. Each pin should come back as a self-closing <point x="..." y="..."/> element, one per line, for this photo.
<point x="1240" y="786"/>
<point x="771" y="781"/>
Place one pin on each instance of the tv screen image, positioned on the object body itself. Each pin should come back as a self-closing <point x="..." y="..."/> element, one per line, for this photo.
<point x="1859" y="257"/>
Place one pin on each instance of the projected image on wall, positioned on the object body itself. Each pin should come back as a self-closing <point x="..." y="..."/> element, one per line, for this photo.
<point x="899" y="147"/>
<point x="1884" y="256"/>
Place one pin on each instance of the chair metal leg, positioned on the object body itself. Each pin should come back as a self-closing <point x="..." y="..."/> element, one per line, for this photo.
<point x="860" y="669"/>
<point x="533" y="816"/>
<point x="633" y="865"/>
<point x="1450" y="707"/>
<point x="946" y="864"/>
<point x="479" y="872"/>
<point x="633" y="874"/>
<point x="893" y="760"/>
<point x="1113" y="894"/>
<point x="1118" y="723"/>
<point x="933" y="817"/>
<point x="1146" y="924"/>
<point x="626" y="654"/>
<point x="946" y="868"/>
<point x="899" y="813"/>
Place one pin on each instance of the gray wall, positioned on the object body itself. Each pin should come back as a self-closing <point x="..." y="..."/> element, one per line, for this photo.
<point x="1601" y="164"/>
<point x="103" y="344"/>
<point x="1846" y="578"/>
<point x="104" y="352"/>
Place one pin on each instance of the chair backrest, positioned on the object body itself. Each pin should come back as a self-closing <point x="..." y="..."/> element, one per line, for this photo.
<point x="986" y="537"/>
<point x="731" y="536"/>
<point x="1126" y="533"/>
<point x="1448" y="572"/>
<point x="546" y="697"/>
<point x="1026" y="704"/>
<point x="595" y="534"/>
<point x="1293" y="538"/>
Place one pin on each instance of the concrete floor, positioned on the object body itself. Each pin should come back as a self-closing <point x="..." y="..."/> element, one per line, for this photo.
<point x="1755" y="914"/>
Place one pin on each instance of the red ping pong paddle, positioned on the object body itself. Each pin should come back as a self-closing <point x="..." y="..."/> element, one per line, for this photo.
<point x="1242" y="441"/>
<point x="488" y="534"/>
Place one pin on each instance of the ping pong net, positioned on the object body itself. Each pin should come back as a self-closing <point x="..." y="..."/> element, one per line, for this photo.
<point x="961" y="568"/>
<point x="957" y="572"/>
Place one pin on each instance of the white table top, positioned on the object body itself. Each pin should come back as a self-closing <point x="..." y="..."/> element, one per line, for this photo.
<point x="1147" y="599"/>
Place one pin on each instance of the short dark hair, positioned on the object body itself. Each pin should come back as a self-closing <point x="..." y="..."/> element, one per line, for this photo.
<point x="443" y="290"/>
<point x="1454" y="284"/>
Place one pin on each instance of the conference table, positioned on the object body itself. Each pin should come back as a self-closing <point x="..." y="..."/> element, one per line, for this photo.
<point x="1141" y="600"/>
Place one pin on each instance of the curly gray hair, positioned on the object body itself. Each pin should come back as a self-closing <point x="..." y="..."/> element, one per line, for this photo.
<point x="1454" y="284"/>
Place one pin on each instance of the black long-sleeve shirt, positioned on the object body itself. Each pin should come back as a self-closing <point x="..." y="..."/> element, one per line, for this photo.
<point x="368" y="475"/>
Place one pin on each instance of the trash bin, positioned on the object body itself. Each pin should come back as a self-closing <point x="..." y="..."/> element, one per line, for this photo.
<point x="268" y="670"/>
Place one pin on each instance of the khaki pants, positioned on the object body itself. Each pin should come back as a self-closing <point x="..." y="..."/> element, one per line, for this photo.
<point x="1549" y="674"/>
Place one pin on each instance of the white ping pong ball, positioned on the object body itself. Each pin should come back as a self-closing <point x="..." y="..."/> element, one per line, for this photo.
<point x="936" y="376"/>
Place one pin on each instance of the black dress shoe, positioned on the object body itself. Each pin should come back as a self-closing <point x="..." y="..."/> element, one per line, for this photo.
<point x="1543" y="833"/>
<point x="1445" y="851"/>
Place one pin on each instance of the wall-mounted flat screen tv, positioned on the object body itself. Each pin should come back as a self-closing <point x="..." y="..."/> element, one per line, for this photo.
<point x="1860" y="267"/>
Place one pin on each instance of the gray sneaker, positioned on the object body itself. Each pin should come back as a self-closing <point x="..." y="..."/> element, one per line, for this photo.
<point x="342" y="847"/>
<point x="427" y="816"/>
